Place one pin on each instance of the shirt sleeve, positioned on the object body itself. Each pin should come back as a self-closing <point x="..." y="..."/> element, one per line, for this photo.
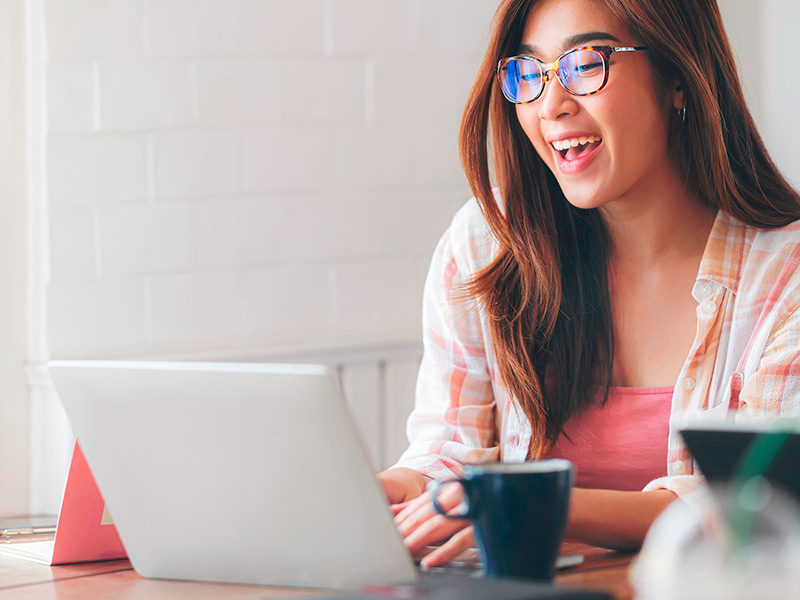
<point x="453" y="422"/>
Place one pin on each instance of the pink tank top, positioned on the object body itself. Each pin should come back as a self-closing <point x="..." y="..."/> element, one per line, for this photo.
<point x="623" y="445"/>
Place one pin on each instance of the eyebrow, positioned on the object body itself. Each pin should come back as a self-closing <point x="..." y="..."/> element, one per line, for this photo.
<point x="571" y="42"/>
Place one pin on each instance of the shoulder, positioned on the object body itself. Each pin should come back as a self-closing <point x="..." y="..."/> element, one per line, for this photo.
<point x="766" y="262"/>
<point x="783" y="241"/>
<point x="770" y="249"/>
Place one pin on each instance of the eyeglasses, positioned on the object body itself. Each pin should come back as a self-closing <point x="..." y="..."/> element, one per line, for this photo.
<point x="581" y="71"/>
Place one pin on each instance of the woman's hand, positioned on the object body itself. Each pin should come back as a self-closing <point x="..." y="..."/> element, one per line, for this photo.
<point x="401" y="484"/>
<point x="420" y="526"/>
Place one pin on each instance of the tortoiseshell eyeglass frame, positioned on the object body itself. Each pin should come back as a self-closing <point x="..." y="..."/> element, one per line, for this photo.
<point x="547" y="68"/>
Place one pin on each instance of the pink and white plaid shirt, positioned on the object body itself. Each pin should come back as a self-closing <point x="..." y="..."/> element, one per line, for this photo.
<point x="745" y="356"/>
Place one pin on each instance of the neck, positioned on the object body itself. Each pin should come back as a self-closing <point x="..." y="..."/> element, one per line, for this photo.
<point x="663" y="222"/>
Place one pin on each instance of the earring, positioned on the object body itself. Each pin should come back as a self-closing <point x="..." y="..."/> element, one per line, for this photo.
<point x="682" y="114"/>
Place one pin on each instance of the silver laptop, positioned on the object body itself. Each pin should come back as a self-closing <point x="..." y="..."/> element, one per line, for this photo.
<point x="246" y="473"/>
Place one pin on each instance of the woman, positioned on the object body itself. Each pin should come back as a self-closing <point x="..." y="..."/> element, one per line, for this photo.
<point x="635" y="266"/>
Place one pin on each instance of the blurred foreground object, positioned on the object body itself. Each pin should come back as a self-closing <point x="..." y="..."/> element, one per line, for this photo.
<point x="735" y="541"/>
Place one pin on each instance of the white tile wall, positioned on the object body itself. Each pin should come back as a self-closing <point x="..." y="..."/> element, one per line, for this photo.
<point x="283" y="27"/>
<point x="197" y="307"/>
<point x="140" y="96"/>
<point x="98" y="169"/>
<point x="192" y="28"/>
<point x="73" y="247"/>
<point x="239" y="92"/>
<point x="104" y="317"/>
<point x="140" y="239"/>
<point x="194" y="164"/>
<point x="297" y="158"/>
<point x="287" y="303"/>
<point x="379" y="294"/>
<point x="373" y="27"/>
<point x="250" y="173"/>
<point x="71" y="100"/>
<point x="91" y="29"/>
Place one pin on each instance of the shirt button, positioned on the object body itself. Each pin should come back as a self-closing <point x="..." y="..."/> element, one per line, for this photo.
<point x="689" y="383"/>
<point x="709" y="307"/>
<point x="680" y="467"/>
<point x="704" y="290"/>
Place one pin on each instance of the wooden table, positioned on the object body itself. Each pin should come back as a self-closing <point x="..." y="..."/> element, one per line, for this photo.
<point x="23" y="580"/>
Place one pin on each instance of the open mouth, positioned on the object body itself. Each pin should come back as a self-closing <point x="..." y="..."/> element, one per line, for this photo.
<point x="574" y="148"/>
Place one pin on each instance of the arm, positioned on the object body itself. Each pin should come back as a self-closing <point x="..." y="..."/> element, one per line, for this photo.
<point x="453" y="421"/>
<point x="613" y="519"/>
<point x="605" y="518"/>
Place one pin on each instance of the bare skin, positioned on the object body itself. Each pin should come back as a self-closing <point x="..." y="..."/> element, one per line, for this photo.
<point x="658" y="232"/>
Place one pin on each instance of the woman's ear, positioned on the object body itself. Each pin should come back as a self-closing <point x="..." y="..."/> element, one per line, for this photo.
<point x="677" y="96"/>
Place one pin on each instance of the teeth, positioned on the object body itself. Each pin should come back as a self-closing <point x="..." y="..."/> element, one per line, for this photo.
<point x="566" y="144"/>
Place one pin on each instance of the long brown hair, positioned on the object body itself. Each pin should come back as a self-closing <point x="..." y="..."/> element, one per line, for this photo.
<point x="546" y="293"/>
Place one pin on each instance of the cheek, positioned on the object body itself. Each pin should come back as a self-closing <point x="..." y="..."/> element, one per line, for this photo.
<point x="528" y="117"/>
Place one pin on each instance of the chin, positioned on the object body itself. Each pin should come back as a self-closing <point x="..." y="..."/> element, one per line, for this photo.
<point x="585" y="199"/>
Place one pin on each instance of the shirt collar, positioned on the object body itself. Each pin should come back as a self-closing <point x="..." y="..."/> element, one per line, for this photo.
<point x="725" y="253"/>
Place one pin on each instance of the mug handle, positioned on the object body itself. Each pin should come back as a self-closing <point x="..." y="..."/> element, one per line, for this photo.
<point x="466" y="513"/>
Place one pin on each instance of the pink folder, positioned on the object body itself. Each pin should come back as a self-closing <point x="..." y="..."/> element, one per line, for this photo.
<point x="84" y="532"/>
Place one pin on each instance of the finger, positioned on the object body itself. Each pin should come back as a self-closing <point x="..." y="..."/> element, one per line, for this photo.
<point x="457" y="545"/>
<point x="431" y="531"/>
<point x="411" y="508"/>
<point x="421" y="508"/>
<point x="398" y="508"/>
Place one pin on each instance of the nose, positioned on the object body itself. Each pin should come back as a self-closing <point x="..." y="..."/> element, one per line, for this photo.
<point x="555" y="102"/>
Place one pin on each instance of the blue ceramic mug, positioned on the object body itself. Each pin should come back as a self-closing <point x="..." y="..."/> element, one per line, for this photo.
<point x="519" y="512"/>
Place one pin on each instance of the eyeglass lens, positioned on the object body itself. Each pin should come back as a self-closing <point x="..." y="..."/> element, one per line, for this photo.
<point x="580" y="71"/>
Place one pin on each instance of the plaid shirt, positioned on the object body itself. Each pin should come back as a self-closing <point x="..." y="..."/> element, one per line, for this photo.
<point x="745" y="356"/>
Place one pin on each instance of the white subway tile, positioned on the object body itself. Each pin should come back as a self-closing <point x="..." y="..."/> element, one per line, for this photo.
<point x="145" y="238"/>
<point x="95" y="319"/>
<point x="374" y="27"/>
<point x="70" y="97"/>
<point x="290" y="159"/>
<point x="192" y="28"/>
<point x="290" y="304"/>
<point x="380" y="297"/>
<point x="239" y="232"/>
<point x="442" y="34"/>
<point x="422" y="91"/>
<point x="144" y="95"/>
<point x="377" y="156"/>
<point x="239" y="92"/>
<point x="96" y="169"/>
<point x="323" y="90"/>
<point x="197" y="164"/>
<point x="437" y="161"/>
<point x="282" y="27"/>
<point x="330" y="228"/>
<point x="364" y="225"/>
<point x="73" y="252"/>
<point x="197" y="308"/>
<point x="405" y="223"/>
<point x="89" y="29"/>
